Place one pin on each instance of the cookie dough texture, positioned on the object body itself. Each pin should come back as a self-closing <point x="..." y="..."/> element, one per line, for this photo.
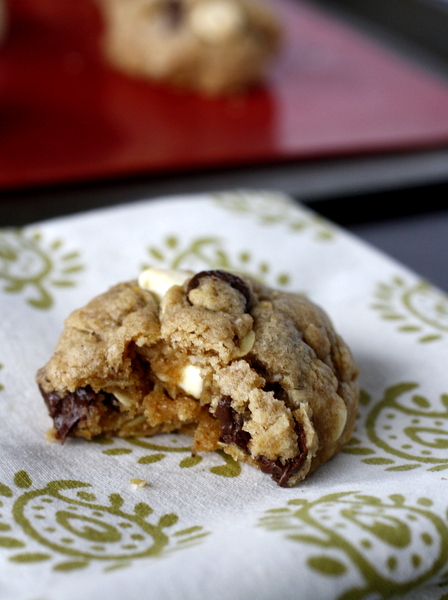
<point x="257" y="372"/>
<point x="216" y="47"/>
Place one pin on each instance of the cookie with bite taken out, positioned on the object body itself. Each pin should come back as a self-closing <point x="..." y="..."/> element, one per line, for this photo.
<point x="257" y="372"/>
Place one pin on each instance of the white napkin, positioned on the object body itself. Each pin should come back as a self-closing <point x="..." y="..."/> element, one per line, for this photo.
<point x="370" y="524"/>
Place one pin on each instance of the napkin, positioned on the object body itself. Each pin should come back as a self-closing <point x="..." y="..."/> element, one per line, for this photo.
<point x="369" y="524"/>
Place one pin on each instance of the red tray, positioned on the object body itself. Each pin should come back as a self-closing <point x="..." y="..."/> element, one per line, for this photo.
<point x="65" y="116"/>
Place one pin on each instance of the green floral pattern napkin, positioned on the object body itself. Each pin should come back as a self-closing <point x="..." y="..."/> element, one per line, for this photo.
<point x="370" y="524"/>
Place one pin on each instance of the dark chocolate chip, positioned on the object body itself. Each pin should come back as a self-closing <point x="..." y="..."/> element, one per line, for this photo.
<point x="260" y="368"/>
<point x="281" y="472"/>
<point x="175" y="12"/>
<point x="66" y="411"/>
<point x="279" y="392"/>
<point x="233" y="280"/>
<point x="231" y="424"/>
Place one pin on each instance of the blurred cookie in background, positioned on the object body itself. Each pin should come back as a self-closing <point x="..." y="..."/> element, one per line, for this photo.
<point x="3" y="20"/>
<point x="216" y="47"/>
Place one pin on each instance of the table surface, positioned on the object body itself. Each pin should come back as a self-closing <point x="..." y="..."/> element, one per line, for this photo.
<point x="415" y="232"/>
<point x="418" y="241"/>
<point x="369" y="195"/>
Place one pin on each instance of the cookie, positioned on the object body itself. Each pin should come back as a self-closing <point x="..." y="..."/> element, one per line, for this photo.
<point x="257" y="372"/>
<point x="3" y="20"/>
<point x="212" y="46"/>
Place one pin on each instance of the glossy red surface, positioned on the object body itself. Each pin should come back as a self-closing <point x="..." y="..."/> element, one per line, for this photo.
<point x="65" y="116"/>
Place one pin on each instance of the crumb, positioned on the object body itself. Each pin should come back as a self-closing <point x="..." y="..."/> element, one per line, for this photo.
<point x="51" y="435"/>
<point x="138" y="483"/>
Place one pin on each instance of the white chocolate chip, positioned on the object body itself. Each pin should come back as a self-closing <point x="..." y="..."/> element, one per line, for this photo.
<point x="138" y="483"/>
<point x="159" y="281"/>
<point x="191" y="381"/>
<point x="215" y="21"/>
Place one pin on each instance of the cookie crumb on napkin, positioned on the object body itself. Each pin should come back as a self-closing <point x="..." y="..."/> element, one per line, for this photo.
<point x="138" y="483"/>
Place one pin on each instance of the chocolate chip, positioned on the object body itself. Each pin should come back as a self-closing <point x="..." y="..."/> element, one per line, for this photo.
<point x="233" y="280"/>
<point x="279" y="392"/>
<point x="260" y="368"/>
<point x="231" y="424"/>
<point x="281" y="472"/>
<point x="175" y="12"/>
<point x="66" y="411"/>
